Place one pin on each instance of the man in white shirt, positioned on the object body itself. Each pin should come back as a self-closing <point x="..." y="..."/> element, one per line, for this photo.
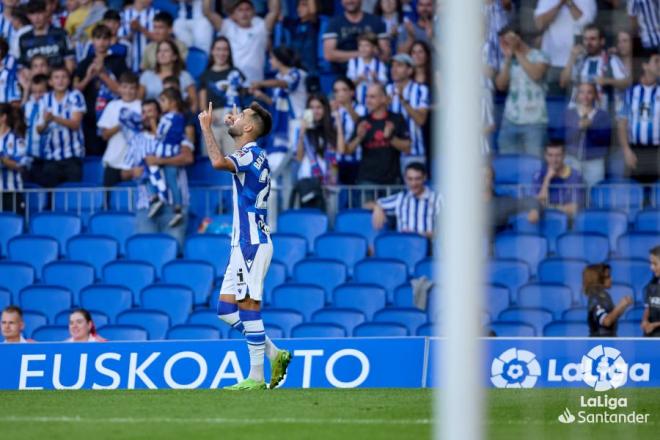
<point x="13" y="325"/>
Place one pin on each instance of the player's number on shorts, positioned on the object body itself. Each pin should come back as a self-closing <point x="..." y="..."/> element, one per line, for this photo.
<point x="262" y="197"/>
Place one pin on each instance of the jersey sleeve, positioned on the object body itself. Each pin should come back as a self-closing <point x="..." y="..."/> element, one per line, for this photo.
<point x="333" y="30"/>
<point x="109" y="117"/>
<point x="351" y="72"/>
<point x="164" y="126"/>
<point x="242" y="160"/>
<point x="78" y="102"/>
<point x="390" y="203"/>
<point x="292" y="79"/>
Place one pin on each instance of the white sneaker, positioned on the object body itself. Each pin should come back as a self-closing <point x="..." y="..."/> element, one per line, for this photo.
<point x="176" y="220"/>
<point x="155" y="207"/>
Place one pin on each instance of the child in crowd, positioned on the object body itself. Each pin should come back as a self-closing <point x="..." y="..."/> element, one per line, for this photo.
<point x="9" y="90"/>
<point x="602" y="314"/>
<point x="38" y="66"/>
<point x="188" y="116"/>
<point x="651" y="317"/>
<point x="366" y="68"/>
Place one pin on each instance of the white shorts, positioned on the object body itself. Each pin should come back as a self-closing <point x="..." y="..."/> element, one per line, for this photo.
<point x="245" y="277"/>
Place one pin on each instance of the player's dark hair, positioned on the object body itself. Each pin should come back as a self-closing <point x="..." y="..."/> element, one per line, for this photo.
<point x="174" y="95"/>
<point x="13" y="309"/>
<point x="164" y="17"/>
<point x="111" y="15"/>
<point x="655" y="251"/>
<point x="263" y="118"/>
<point x="415" y="166"/>
<point x="102" y="31"/>
<point x="129" y="78"/>
<point x="349" y="83"/>
<point x="230" y="57"/>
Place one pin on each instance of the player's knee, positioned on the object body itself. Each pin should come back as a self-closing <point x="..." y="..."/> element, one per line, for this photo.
<point x="226" y="308"/>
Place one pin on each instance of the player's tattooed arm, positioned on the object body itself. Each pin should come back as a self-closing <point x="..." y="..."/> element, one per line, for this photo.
<point x="218" y="160"/>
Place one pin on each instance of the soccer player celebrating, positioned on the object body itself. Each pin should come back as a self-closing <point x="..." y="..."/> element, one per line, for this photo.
<point x="251" y="246"/>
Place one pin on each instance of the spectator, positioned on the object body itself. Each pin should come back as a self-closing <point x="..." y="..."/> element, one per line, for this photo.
<point x="590" y="62"/>
<point x="32" y="110"/>
<point x="162" y="30"/>
<point x="415" y="209"/>
<point x="138" y="23"/>
<point x="7" y="30"/>
<point x="223" y="85"/>
<point x="557" y="185"/>
<point x="560" y="21"/>
<point x="366" y="68"/>
<point x="391" y="12"/>
<point x="420" y="52"/>
<point x="97" y="78"/>
<point x="411" y="101"/>
<point x="189" y="117"/>
<point x="13" y="158"/>
<point x="420" y="30"/>
<point x="645" y="15"/>
<point x="45" y="39"/>
<point x="57" y="12"/>
<point x="21" y="25"/>
<point x="38" y="66"/>
<point x="651" y="316"/>
<point x="82" y="19"/>
<point x="624" y="50"/>
<point x="120" y="121"/>
<point x="340" y="41"/>
<point x="496" y="15"/>
<point x="302" y="34"/>
<point x="501" y="208"/>
<point x="638" y="124"/>
<point x="317" y="143"/>
<point x="60" y="124"/>
<point x="347" y="112"/>
<point x="118" y="46"/>
<point x="13" y="325"/>
<point x="82" y="328"/>
<point x="9" y="90"/>
<point x="588" y="135"/>
<point x="525" y="114"/>
<point x="247" y="33"/>
<point x="192" y="27"/>
<point x="383" y="136"/>
<point x="602" y="315"/>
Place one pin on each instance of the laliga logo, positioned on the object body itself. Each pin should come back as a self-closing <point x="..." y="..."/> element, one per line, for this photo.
<point x="603" y="368"/>
<point x="515" y="369"/>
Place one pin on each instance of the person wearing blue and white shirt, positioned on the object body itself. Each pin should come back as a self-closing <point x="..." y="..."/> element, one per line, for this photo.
<point x="347" y="113"/>
<point x="60" y="123"/>
<point x="13" y="158"/>
<point x="192" y="27"/>
<point x="9" y="90"/>
<point x="7" y="30"/>
<point x="646" y="16"/>
<point x="367" y="67"/>
<point x="137" y="23"/>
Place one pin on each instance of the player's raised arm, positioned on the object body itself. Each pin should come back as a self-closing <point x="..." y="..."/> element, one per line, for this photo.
<point x="218" y="161"/>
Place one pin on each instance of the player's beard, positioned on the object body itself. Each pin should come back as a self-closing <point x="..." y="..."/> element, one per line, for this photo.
<point x="234" y="131"/>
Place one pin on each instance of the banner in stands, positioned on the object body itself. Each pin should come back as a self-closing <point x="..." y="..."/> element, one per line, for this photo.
<point x="600" y="364"/>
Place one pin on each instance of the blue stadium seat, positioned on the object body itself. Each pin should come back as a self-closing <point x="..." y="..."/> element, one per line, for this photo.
<point x="15" y="276"/>
<point x="356" y="221"/>
<point x="5" y="298"/>
<point x="510" y="273"/>
<point x="322" y="272"/>
<point x="304" y="298"/>
<point x="34" y="201"/>
<point x="575" y="314"/>
<point x="511" y="329"/>
<point x="49" y="300"/>
<point x="647" y="221"/>
<point x="629" y="329"/>
<point x="407" y="247"/>
<point x="70" y="274"/>
<point x="289" y="249"/>
<point x="274" y="332"/>
<point x="425" y="269"/>
<point x="286" y="319"/>
<point x="92" y="171"/>
<point x="203" y="172"/>
<point x="35" y="250"/>
<point x="566" y="271"/>
<point x="634" y="313"/>
<point x="154" y="321"/>
<point x="637" y="244"/>
<point x="624" y="196"/>
<point x="32" y="321"/>
<point x="156" y="249"/>
<point x="196" y="62"/>
<point x="403" y="296"/>
<point x="515" y="168"/>
<point x="208" y="317"/>
<point x="552" y="296"/>
<point x="175" y="300"/>
<point x="347" y="318"/>
<point x="81" y="198"/>
<point x="136" y="275"/>
<point x="235" y="334"/>
<point x="497" y="299"/>
<point x="387" y="273"/>
<point x="120" y="332"/>
<point x="168" y="6"/>
<point x="59" y="226"/>
<point x="610" y="223"/>
<point x="11" y="225"/>
<point x="99" y="318"/>
<point x="367" y="298"/>
<point x="97" y="250"/>
<point x="569" y="329"/>
<point x="310" y="223"/>
<point x="590" y="246"/>
<point x="204" y="201"/>
<point x="380" y="329"/>
<point x="118" y="225"/>
<point x="342" y="246"/>
<point x="536" y="317"/>
<point x="51" y="333"/>
<point x="196" y="275"/>
<point x="411" y="318"/>
<point x="276" y="275"/>
<point x="527" y="247"/>
<point x="553" y="223"/>
<point x="193" y="332"/>
<point x="318" y="330"/>
<point x="107" y="298"/>
<point x="211" y="248"/>
<point x="618" y="291"/>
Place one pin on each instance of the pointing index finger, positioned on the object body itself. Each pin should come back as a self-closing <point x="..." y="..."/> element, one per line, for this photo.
<point x="235" y="110"/>
<point x="210" y="107"/>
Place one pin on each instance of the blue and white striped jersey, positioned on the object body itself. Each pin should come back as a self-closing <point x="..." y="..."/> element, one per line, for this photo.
<point x="9" y="90"/>
<point x="348" y="127"/>
<point x="138" y="40"/>
<point x="191" y="9"/>
<point x="288" y="104"/>
<point x="12" y="147"/>
<point x="170" y="133"/>
<point x="357" y="67"/>
<point x="413" y="214"/>
<point x="647" y="13"/>
<point x="250" y="194"/>
<point x="642" y="110"/>
<point x="418" y="96"/>
<point x="32" y="110"/>
<point x="7" y="30"/>
<point x="588" y="68"/>
<point x="62" y="142"/>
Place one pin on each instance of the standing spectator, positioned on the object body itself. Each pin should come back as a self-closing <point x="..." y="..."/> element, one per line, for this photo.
<point x="44" y="39"/>
<point x="32" y="110"/>
<point x="118" y="46"/>
<point x="38" y="66"/>
<point x="13" y="158"/>
<point x="340" y="41"/>
<point x="367" y="67"/>
<point x="560" y="21"/>
<point x="7" y="30"/>
<point x="347" y="112"/>
<point x="60" y="124"/>
<point x="192" y="27"/>
<point x="557" y="185"/>
<point x="137" y="25"/>
<point x="422" y="29"/>
<point x="97" y="78"/>
<point x="624" y="50"/>
<point x="383" y="136"/>
<point x="163" y="23"/>
<point x="651" y="316"/>
<point x="496" y="16"/>
<point x="9" y="90"/>
<point x="82" y="328"/>
<point x="645" y="15"/>
<point x="416" y="208"/>
<point x="602" y="315"/>
<point x="317" y="142"/>
<point x="247" y="33"/>
<point x="189" y="117"/>
<point x="420" y="52"/>
<point x="410" y="100"/>
<point x="391" y="12"/>
<point x="590" y="62"/>
<point x="588" y="135"/>
<point x="638" y="126"/>
<point x="301" y="33"/>
<point x="525" y="114"/>
<point x="223" y="85"/>
<point x="13" y="325"/>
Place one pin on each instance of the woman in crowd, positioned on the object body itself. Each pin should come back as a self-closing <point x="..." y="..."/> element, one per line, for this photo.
<point x="82" y="328"/>
<point x="421" y="55"/>
<point x="346" y="112"/>
<point x="13" y="158"/>
<point x="391" y="11"/>
<point x="602" y="314"/>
